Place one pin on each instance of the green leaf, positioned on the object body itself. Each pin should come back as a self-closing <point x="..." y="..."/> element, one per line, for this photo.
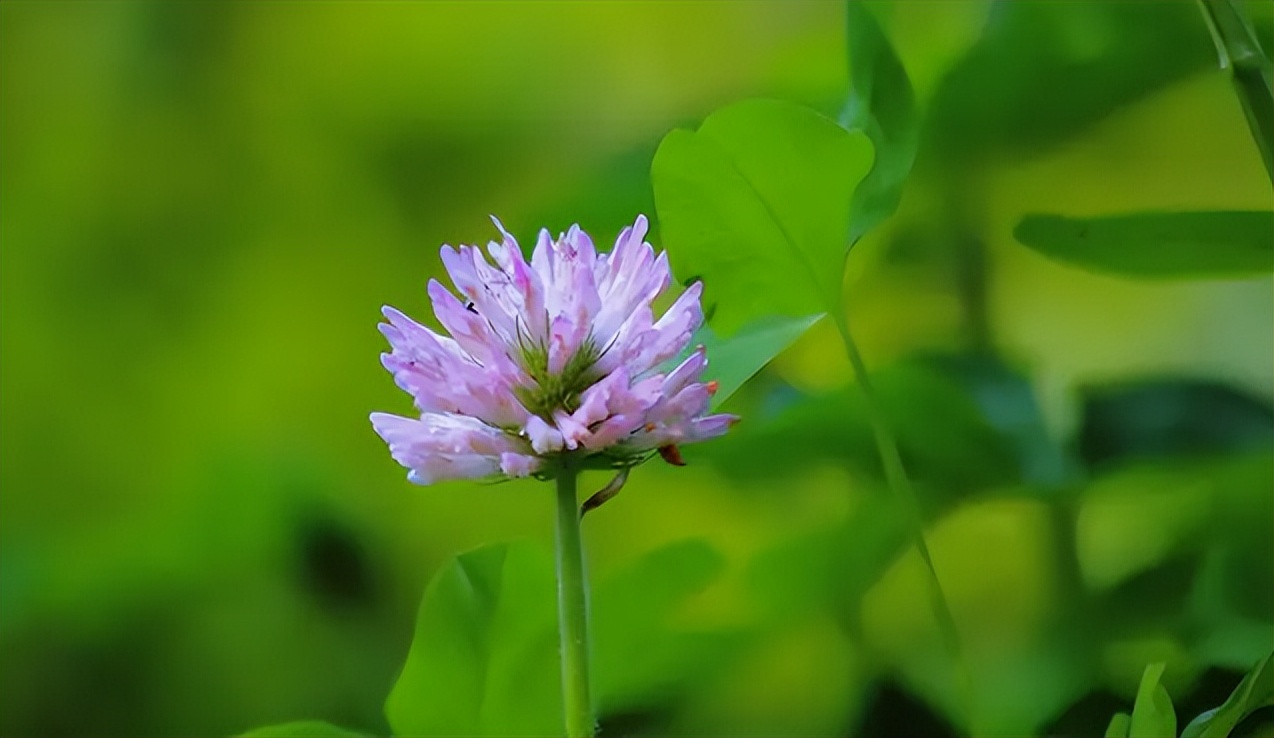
<point x="1171" y="418"/>
<point x="484" y="657"/>
<point x="640" y="655"/>
<point x="1158" y="245"/>
<point x="1254" y="692"/>
<point x="1152" y="713"/>
<point x="944" y="434"/>
<point x="301" y="729"/>
<point x="756" y="204"/>
<point x="1119" y="724"/>
<point x="833" y="566"/>
<point x="734" y="360"/>
<point x="1007" y="401"/>
<point x="1043" y="72"/>
<point x="882" y="105"/>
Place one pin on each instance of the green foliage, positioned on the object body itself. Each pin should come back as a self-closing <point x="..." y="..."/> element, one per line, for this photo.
<point x="1158" y="245"/>
<point x="198" y="529"/>
<point x="1254" y="692"/>
<point x="881" y="104"/>
<point x="1170" y="418"/>
<point x="966" y="452"/>
<point x="1043" y="72"/>
<point x="1119" y="725"/>
<point x="1152" y="714"/>
<point x="482" y="661"/>
<point x="1249" y="64"/>
<point x="755" y="203"/>
<point x="301" y="729"/>
<point x="641" y="653"/>
<point x="736" y="359"/>
<point x="833" y="566"/>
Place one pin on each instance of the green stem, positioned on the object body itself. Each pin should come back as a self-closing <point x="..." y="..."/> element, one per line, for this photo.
<point x="898" y="481"/>
<point x="572" y="607"/>
<point x="1240" y="52"/>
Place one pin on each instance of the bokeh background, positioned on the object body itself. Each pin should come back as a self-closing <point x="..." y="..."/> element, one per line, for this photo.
<point x="203" y="206"/>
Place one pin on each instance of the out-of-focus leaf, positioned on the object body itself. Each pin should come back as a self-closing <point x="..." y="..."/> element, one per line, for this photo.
<point x="882" y="105"/>
<point x="1152" y="713"/>
<point x="640" y="655"/>
<point x="301" y="729"/>
<point x="484" y="657"/>
<point x="733" y="360"/>
<point x="1171" y="418"/>
<point x="1042" y="72"/>
<point x="756" y="204"/>
<point x="1119" y="724"/>
<point x="945" y="439"/>
<point x="1234" y="588"/>
<point x="833" y="566"/>
<point x="1254" y="692"/>
<point x="1231" y="243"/>
<point x="1008" y="403"/>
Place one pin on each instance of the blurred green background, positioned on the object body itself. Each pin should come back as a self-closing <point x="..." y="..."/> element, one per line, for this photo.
<point x="204" y="205"/>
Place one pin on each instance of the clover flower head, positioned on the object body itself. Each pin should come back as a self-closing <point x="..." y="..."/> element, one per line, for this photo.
<point x="558" y="357"/>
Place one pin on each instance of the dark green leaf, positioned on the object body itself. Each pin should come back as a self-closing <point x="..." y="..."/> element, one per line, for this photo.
<point x="484" y="657"/>
<point x="756" y="204"/>
<point x="882" y="105"/>
<point x="1007" y="402"/>
<point x="301" y="729"/>
<point x="1152" y="713"/>
<point x="1189" y="245"/>
<point x="1170" y="418"/>
<point x="1042" y="72"/>
<point x="944" y="436"/>
<point x="1254" y="692"/>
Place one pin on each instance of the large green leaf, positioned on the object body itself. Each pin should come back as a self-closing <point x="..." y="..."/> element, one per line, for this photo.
<point x="301" y="729"/>
<point x="1152" y="713"/>
<point x="756" y="204"/>
<point x="484" y="657"/>
<point x="882" y="105"/>
<point x="640" y="655"/>
<point x="1254" y="692"/>
<point x="1160" y="245"/>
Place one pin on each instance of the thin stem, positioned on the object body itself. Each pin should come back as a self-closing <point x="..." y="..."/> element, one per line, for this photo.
<point x="572" y="608"/>
<point x="900" y="484"/>
<point x="1240" y="52"/>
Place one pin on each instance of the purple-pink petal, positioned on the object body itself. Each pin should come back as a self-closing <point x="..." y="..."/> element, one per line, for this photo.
<point x="494" y="394"/>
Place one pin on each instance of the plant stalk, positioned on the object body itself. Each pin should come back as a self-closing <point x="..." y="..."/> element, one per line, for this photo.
<point x="572" y="608"/>
<point x="898" y="481"/>
<point x="1241" y="53"/>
